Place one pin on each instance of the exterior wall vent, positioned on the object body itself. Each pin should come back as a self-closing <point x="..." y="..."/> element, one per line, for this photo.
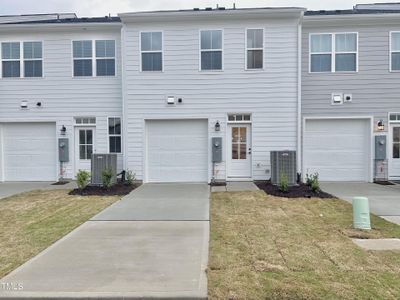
<point x="100" y="162"/>
<point x="283" y="162"/>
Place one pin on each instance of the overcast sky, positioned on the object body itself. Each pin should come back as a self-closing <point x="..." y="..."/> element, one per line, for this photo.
<point x="104" y="7"/>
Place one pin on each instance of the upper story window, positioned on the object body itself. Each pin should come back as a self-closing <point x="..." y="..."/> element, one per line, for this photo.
<point x="254" y="48"/>
<point x="33" y="59"/>
<point x="11" y="54"/>
<point x="333" y="52"/>
<point x="211" y="49"/>
<point x="83" y="54"/>
<point x="98" y="59"/>
<point x="395" y="51"/>
<point x="105" y="58"/>
<point x="151" y="48"/>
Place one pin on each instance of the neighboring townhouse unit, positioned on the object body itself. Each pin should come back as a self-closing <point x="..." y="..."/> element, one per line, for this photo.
<point x="351" y="92"/>
<point x="59" y="77"/>
<point x="193" y="75"/>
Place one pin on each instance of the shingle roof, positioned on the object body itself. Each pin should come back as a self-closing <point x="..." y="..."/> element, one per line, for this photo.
<point x="105" y="19"/>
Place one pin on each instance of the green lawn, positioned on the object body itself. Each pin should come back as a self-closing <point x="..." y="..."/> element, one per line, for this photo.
<point x="30" y="222"/>
<point x="264" y="247"/>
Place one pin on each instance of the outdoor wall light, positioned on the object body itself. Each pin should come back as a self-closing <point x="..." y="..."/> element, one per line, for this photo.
<point x="217" y="126"/>
<point x="381" y="125"/>
<point x="63" y="130"/>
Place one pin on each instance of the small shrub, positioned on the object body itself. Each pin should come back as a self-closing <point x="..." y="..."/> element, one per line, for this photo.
<point x="107" y="178"/>
<point x="283" y="183"/>
<point x="308" y="179"/>
<point x="130" y="177"/>
<point x="313" y="182"/>
<point x="82" y="179"/>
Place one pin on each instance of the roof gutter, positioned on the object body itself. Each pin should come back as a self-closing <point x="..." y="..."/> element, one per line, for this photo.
<point x="55" y="26"/>
<point x="351" y="18"/>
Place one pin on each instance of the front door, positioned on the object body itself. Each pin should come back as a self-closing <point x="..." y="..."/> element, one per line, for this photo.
<point x="84" y="147"/>
<point x="394" y="159"/>
<point x="239" y="151"/>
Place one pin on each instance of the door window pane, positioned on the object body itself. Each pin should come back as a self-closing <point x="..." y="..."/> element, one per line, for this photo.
<point x="396" y="134"/>
<point x="89" y="137"/>
<point x="243" y="151"/>
<point x="235" y="152"/>
<point x="235" y="134"/>
<point x="243" y="135"/>
<point x="89" y="151"/>
<point x="82" y="152"/>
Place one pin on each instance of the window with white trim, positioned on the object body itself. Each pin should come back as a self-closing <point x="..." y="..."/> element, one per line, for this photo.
<point x="105" y="58"/>
<point x="33" y="59"/>
<point x="151" y="49"/>
<point x="395" y="51"/>
<point x="211" y="50"/>
<point x="114" y="135"/>
<point x="254" y="49"/>
<point x="21" y="59"/>
<point x="336" y="52"/>
<point x="85" y="120"/>
<point x="83" y="58"/>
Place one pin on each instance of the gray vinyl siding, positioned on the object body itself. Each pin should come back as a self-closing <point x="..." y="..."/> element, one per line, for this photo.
<point x="63" y="97"/>
<point x="269" y="95"/>
<point x="374" y="88"/>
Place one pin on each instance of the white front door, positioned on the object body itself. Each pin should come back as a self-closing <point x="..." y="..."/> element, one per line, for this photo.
<point x="84" y="147"/>
<point x="394" y="158"/>
<point x="239" y="151"/>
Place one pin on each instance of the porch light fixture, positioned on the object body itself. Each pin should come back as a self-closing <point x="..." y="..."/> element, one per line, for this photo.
<point x="381" y="125"/>
<point x="217" y="126"/>
<point x="63" y="130"/>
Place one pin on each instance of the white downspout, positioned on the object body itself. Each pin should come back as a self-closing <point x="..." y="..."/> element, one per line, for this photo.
<point x="299" y="73"/>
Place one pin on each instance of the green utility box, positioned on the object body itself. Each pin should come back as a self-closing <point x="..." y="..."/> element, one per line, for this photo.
<point x="361" y="217"/>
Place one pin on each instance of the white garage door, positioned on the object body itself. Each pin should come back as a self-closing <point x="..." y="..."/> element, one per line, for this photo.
<point x="177" y="151"/>
<point x="29" y="151"/>
<point x="339" y="149"/>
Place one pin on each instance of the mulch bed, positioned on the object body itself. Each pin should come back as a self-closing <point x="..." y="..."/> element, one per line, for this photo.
<point x="119" y="189"/>
<point x="384" y="183"/>
<point x="218" y="183"/>
<point x="60" y="183"/>
<point x="298" y="191"/>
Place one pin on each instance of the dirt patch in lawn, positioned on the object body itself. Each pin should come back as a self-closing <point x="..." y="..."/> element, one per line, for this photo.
<point x="119" y="189"/>
<point x="266" y="247"/>
<point x="297" y="191"/>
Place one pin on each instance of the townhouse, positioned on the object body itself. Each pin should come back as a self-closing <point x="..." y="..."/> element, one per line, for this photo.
<point x="157" y="88"/>
<point x="350" y="93"/>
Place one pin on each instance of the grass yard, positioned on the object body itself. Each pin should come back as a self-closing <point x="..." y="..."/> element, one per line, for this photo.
<point x="30" y="222"/>
<point x="265" y="247"/>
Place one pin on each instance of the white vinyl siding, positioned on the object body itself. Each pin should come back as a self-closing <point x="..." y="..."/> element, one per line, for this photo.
<point x="211" y="50"/>
<point x="151" y="48"/>
<point x="395" y="51"/>
<point x="254" y="49"/>
<point x="214" y="95"/>
<point x="333" y="52"/>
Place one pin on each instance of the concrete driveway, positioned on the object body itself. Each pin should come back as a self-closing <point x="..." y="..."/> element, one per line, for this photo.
<point x="131" y="250"/>
<point x="11" y="188"/>
<point x="384" y="201"/>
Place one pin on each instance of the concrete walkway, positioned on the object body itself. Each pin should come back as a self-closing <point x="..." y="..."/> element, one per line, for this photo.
<point x="131" y="250"/>
<point x="384" y="201"/>
<point x="11" y="188"/>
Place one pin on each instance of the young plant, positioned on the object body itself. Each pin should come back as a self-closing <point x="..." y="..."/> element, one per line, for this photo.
<point x="130" y="177"/>
<point x="314" y="182"/>
<point x="283" y="183"/>
<point x="82" y="179"/>
<point x="107" y="178"/>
